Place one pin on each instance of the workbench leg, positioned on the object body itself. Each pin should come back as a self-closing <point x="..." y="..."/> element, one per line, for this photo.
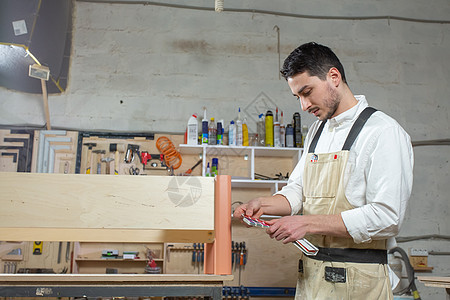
<point x="218" y="253"/>
<point x="217" y="293"/>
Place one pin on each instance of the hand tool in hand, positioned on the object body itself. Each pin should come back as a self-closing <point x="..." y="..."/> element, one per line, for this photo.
<point x="303" y="244"/>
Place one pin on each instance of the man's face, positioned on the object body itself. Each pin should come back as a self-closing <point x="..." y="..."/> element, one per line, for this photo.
<point x="318" y="97"/>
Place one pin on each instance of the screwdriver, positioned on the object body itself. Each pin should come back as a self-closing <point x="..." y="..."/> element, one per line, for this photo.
<point x="232" y="253"/>
<point x="192" y="168"/>
<point x="245" y="254"/>
<point x="193" y="254"/>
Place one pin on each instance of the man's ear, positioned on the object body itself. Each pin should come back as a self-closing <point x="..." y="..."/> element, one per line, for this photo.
<point x="335" y="76"/>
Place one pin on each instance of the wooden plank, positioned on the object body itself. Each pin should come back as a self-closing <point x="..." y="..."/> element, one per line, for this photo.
<point x="218" y="254"/>
<point x="81" y="201"/>
<point x="116" y="278"/>
<point x="435" y="281"/>
<point x="105" y="235"/>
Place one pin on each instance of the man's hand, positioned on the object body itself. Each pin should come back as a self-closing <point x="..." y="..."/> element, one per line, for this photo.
<point x="288" y="229"/>
<point x="253" y="209"/>
<point x="291" y="228"/>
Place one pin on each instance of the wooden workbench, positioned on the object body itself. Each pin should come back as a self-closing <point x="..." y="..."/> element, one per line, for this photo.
<point x="107" y="208"/>
<point x="112" y="285"/>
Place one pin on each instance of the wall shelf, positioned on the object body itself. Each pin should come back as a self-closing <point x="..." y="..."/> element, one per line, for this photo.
<point x="247" y="156"/>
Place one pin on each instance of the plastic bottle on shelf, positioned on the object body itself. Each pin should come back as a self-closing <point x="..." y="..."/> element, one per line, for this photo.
<point x="282" y="132"/>
<point x="208" y="171"/>
<point x="276" y="130"/>
<point x="215" y="167"/>
<point x="212" y="133"/>
<point x="276" y="134"/>
<point x="220" y="132"/>
<point x="297" y="130"/>
<point x="239" y="134"/>
<point x="232" y="134"/>
<point x="204" y="128"/>
<point x="192" y="130"/>
<point x="245" y="133"/>
<point x="289" y="136"/>
<point x="269" y="128"/>
<point x="261" y="130"/>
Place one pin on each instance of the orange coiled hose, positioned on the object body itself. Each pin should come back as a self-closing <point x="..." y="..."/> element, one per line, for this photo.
<point x="171" y="156"/>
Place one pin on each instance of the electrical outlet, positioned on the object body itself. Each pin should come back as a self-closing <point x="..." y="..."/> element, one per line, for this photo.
<point x="418" y="252"/>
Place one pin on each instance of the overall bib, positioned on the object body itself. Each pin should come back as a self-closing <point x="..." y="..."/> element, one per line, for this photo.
<point x="342" y="269"/>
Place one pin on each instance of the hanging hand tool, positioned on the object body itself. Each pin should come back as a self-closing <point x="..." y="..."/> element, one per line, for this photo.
<point x="198" y="257"/>
<point x="245" y="254"/>
<point x="188" y="172"/>
<point x="59" y="252"/>
<point x="89" y="153"/>
<point x="232" y="254"/>
<point x="145" y="157"/>
<point x="117" y="149"/>
<point x="202" y="251"/>
<point x="131" y="151"/>
<point x="108" y="161"/>
<point x="241" y="260"/>
<point x="193" y="254"/>
<point x="67" y="251"/>
<point x="134" y="171"/>
<point x="99" y="159"/>
<point x="37" y="248"/>
<point x="237" y="253"/>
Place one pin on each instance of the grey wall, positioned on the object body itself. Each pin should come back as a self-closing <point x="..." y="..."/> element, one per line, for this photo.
<point x="147" y="68"/>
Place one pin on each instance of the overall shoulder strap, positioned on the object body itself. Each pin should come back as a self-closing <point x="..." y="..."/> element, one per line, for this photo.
<point x="357" y="126"/>
<point x="312" y="146"/>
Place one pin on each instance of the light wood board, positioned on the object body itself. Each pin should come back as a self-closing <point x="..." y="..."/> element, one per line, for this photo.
<point x="116" y="278"/>
<point x="140" y="208"/>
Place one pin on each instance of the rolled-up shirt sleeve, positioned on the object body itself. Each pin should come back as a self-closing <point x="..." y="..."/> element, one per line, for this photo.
<point x="388" y="174"/>
<point x="293" y="190"/>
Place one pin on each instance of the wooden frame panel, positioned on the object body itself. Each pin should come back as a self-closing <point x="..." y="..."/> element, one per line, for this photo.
<point x="88" y="208"/>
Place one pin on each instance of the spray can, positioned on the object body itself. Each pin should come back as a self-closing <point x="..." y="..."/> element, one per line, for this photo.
<point x="192" y="130"/>
<point x="220" y="132"/>
<point x="232" y="134"/>
<point x="261" y="130"/>
<point x="215" y="167"/>
<point x="212" y="133"/>
<point x="244" y="133"/>
<point x="282" y="132"/>
<point x="297" y="130"/>
<point x="204" y="128"/>
<point x="269" y="128"/>
<point x="239" y="133"/>
<point x="276" y="134"/>
<point x="289" y="136"/>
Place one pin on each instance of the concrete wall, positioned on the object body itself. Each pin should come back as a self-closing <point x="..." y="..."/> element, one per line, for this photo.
<point x="147" y="68"/>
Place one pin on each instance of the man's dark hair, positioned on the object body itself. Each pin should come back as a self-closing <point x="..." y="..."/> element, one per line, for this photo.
<point x="313" y="58"/>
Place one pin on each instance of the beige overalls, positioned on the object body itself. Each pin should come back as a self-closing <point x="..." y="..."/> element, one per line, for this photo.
<point x="352" y="272"/>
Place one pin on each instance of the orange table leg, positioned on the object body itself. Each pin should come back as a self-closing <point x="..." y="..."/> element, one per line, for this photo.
<point x="218" y="253"/>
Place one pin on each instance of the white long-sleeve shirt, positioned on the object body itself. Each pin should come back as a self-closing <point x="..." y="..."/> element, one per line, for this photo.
<point x="378" y="175"/>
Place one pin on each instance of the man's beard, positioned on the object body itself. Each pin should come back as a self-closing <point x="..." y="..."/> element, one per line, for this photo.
<point x="332" y="103"/>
